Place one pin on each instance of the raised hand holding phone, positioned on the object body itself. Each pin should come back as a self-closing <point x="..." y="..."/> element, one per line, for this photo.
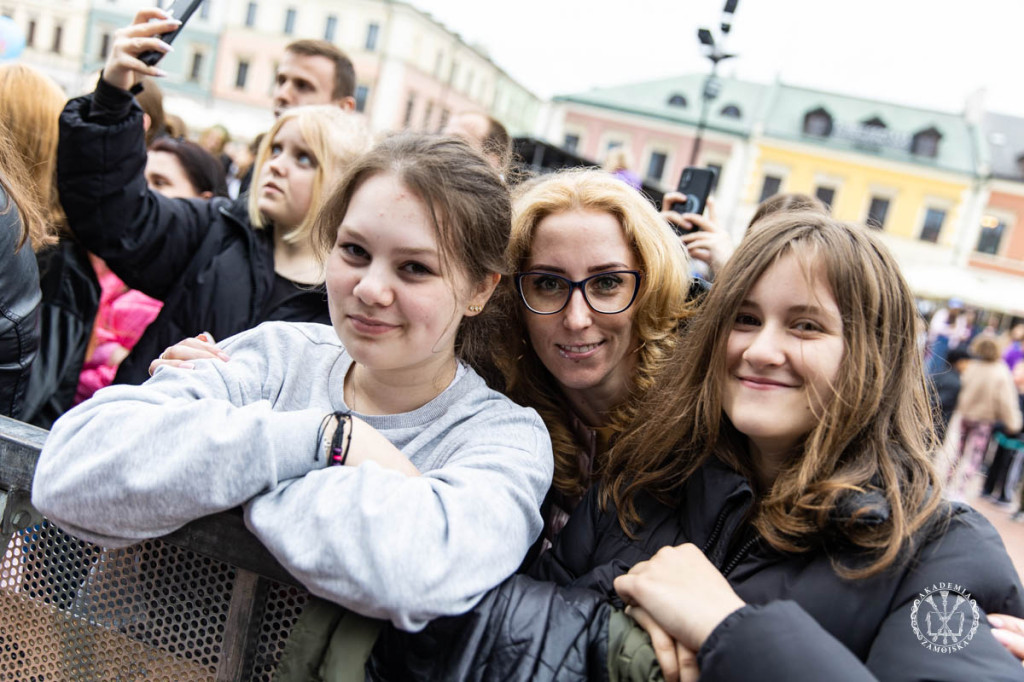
<point x="123" y="68"/>
<point x="151" y="57"/>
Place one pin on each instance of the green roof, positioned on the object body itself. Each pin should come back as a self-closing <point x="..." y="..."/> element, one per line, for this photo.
<point x="781" y="110"/>
<point x="651" y="98"/>
<point x="957" y="147"/>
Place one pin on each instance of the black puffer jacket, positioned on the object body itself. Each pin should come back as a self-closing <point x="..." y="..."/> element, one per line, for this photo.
<point x="801" y="622"/>
<point x="19" y="311"/>
<point x="202" y="258"/>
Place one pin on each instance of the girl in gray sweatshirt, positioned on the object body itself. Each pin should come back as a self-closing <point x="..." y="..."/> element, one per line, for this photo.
<point x="371" y="459"/>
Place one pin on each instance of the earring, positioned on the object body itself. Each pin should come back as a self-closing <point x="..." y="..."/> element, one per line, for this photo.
<point x="475" y="308"/>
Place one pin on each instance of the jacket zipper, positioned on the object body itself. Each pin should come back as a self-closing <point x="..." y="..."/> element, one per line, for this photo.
<point x="739" y="555"/>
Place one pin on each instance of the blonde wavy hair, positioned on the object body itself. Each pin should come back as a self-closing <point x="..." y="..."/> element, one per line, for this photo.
<point x="660" y="307"/>
<point x="30" y="106"/>
<point x="336" y="138"/>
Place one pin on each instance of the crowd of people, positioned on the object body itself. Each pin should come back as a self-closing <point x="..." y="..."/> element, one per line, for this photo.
<point x="495" y="424"/>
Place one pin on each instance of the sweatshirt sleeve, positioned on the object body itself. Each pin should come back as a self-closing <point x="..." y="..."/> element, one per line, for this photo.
<point x="410" y="549"/>
<point x="780" y="641"/>
<point x="136" y="462"/>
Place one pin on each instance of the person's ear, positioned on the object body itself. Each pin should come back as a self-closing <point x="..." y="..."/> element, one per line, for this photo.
<point x="347" y="103"/>
<point x="206" y="195"/>
<point x="146" y="121"/>
<point x="482" y="294"/>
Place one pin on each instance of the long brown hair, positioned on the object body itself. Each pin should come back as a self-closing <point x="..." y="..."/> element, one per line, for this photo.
<point x="874" y="433"/>
<point x="659" y="308"/>
<point x="30" y="106"/>
<point x="34" y="227"/>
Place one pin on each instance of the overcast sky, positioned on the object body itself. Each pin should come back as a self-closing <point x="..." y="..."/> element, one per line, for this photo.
<point x="929" y="53"/>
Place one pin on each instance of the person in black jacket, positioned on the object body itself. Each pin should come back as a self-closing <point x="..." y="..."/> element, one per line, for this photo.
<point x="782" y="522"/>
<point x="22" y="226"/>
<point x="218" y="266"/>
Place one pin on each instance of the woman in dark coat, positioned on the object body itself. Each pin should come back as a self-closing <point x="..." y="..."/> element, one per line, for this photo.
<point x="218" y="266"/>
<point x="782" y="522"/>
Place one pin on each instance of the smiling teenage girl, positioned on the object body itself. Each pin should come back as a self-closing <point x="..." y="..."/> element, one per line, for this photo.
<point x="372" y="461"/>
<point x="778" y="506"/>
<point x="202" y="258"/>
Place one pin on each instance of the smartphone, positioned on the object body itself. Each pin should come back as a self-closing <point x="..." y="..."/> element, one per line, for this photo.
<point x="695" y="183"/>
<point x="151" y="57"/>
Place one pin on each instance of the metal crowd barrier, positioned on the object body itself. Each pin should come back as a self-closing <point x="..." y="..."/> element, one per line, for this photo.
<point x="207" y="602"/>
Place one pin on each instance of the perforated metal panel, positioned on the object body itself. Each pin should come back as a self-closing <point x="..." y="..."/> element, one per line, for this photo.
<point x="283" y="606"/>
<point x="72" y="611"/>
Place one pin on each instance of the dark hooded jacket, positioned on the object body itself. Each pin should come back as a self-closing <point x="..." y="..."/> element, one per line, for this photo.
<point x="802" y="621"/>
<point x="202" y="258"/>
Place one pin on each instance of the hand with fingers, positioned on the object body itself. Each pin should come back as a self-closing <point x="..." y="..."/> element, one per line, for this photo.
<point x="184" y="353"/>
<point x="123" y="68"/>
<point x="702" y="236"/>
<point x="683" y="593"/>
<point x="1008" y="631"/>
<point x="677" y="663"/>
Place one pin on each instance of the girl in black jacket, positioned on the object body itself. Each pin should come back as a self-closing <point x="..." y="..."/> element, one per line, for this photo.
<point x="218" y="266"/>
<point x="785" y="493"/>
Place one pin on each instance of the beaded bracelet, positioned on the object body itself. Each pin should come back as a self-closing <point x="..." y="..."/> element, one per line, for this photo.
<point x="338" y="454"/>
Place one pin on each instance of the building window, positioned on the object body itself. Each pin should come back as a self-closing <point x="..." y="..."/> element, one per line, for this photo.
<point x="656" y="166"/>
<point x="992" y="229"/>
<point x="371" y="37"/>
<point x="612" y="146"/>
<point x="877" y="212"/>
<point x="331" y="28"/>
<point x="826" y="195"/>
<point x="874" y="122"/>
<point x="242" y="74"/>
<point x="289" y="21"/>
<point x="444" y="119"/>
<point x="926" y="143"/>
<point x="362" y="94"/>
<point x="933" y="219"/>
<point x="730" y="111"/>
<point x="571" y="143"/>
<point x="104" y="45"/>
<point x="58" y="38"/>
<point x="30" y="34"/>
<point x="677" y="100"/>
<point x="770" y="188"/>
<point x="196" y="70"/>
<point x="204" y="9"/>
<point x="818" y="123"/>
<point x="410" y="104"/>
<point x="427" y="112"/>
<point x="250" y="14"/>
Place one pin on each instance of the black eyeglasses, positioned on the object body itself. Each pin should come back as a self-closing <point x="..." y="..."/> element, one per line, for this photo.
<point x="607" y="293"/>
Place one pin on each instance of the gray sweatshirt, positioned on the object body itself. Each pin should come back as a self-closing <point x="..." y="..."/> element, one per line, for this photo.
<point x="137" y="462"/>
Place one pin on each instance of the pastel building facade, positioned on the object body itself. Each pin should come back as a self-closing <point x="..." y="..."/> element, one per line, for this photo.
<point x="947" y="204"/>
<point x="54" y="37"/>
<point x="412" y="72"/>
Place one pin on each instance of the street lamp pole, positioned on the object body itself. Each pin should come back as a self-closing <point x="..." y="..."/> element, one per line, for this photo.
<point x="716" y="53"/>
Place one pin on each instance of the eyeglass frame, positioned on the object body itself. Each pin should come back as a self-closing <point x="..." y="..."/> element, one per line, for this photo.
<point x="581" y="285"/>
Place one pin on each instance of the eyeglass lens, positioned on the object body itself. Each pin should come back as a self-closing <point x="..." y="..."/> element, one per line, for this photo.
<point x="607" y="292"/>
